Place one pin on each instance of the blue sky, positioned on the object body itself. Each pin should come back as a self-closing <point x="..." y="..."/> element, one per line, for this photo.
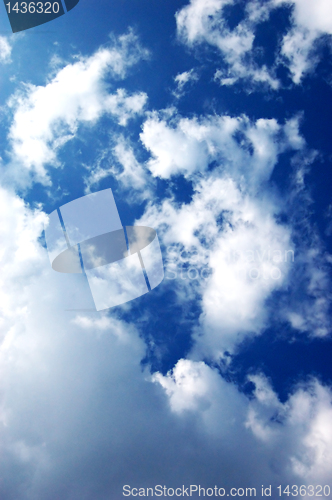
<point x="210" y="122"/>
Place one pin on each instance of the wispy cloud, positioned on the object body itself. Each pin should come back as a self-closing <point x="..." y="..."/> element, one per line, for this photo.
<point x="120" y="162"/>
<point x="183" y="79"/>
<point x="5" y="50"/>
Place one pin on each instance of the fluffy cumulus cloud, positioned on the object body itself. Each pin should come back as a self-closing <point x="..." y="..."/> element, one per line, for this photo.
<point x="46" y="117"/>
<point x="81" y="413"/>
<point x="227" y="238"/>
<point x="234" y="264"/>
<point x="295" y="436"/>
<point x="81" y="419"/>
<point x="206" y="22"/>
<point x="184" y="146"/>
<point x="19" y="257"/>
<point x="310" y="22"/>
<point x="302" y="421"/>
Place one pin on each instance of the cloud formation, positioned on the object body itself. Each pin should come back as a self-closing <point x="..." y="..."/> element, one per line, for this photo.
<point x="185" y="146"/>
<point x="295" y="436"/>
<point x="79" y="416"/>
<point x="46" y="117"/>
<point x="119" y="162"/>
<point x="202" y="22"/>
<point x="231" y="228"/>
<point x="310" y="22"/>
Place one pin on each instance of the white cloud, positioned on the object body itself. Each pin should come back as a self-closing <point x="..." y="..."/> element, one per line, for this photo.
<point x="182" y="79"/>
<point x="311" y="21"/>
<point x="5" y="50"/>
<point x="308" y="307"/>
<point x="46" y="117"/>
<point x="295" y="435"/>
<point x="304" y="421"/>
<point x="124" y="167"/>
<point x="194" y="386"/>
<point x="311" y="314"/>
<point x="174" y="150"/>
<point x="132" y="176"/>
<point x="74" y="398"/>
<point x="97" y="174"/>
<point x="184" y="146"/>
<point x="249" y="254"/>
<point x="204" y="22"/>
<point x="313" y="16"/>
<point x="103" y="324"/>
<point x="19" y="256"/>
<point x="297" y="48"/>
<point x="249" y="262"/>
<point x="80" y="418"/>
